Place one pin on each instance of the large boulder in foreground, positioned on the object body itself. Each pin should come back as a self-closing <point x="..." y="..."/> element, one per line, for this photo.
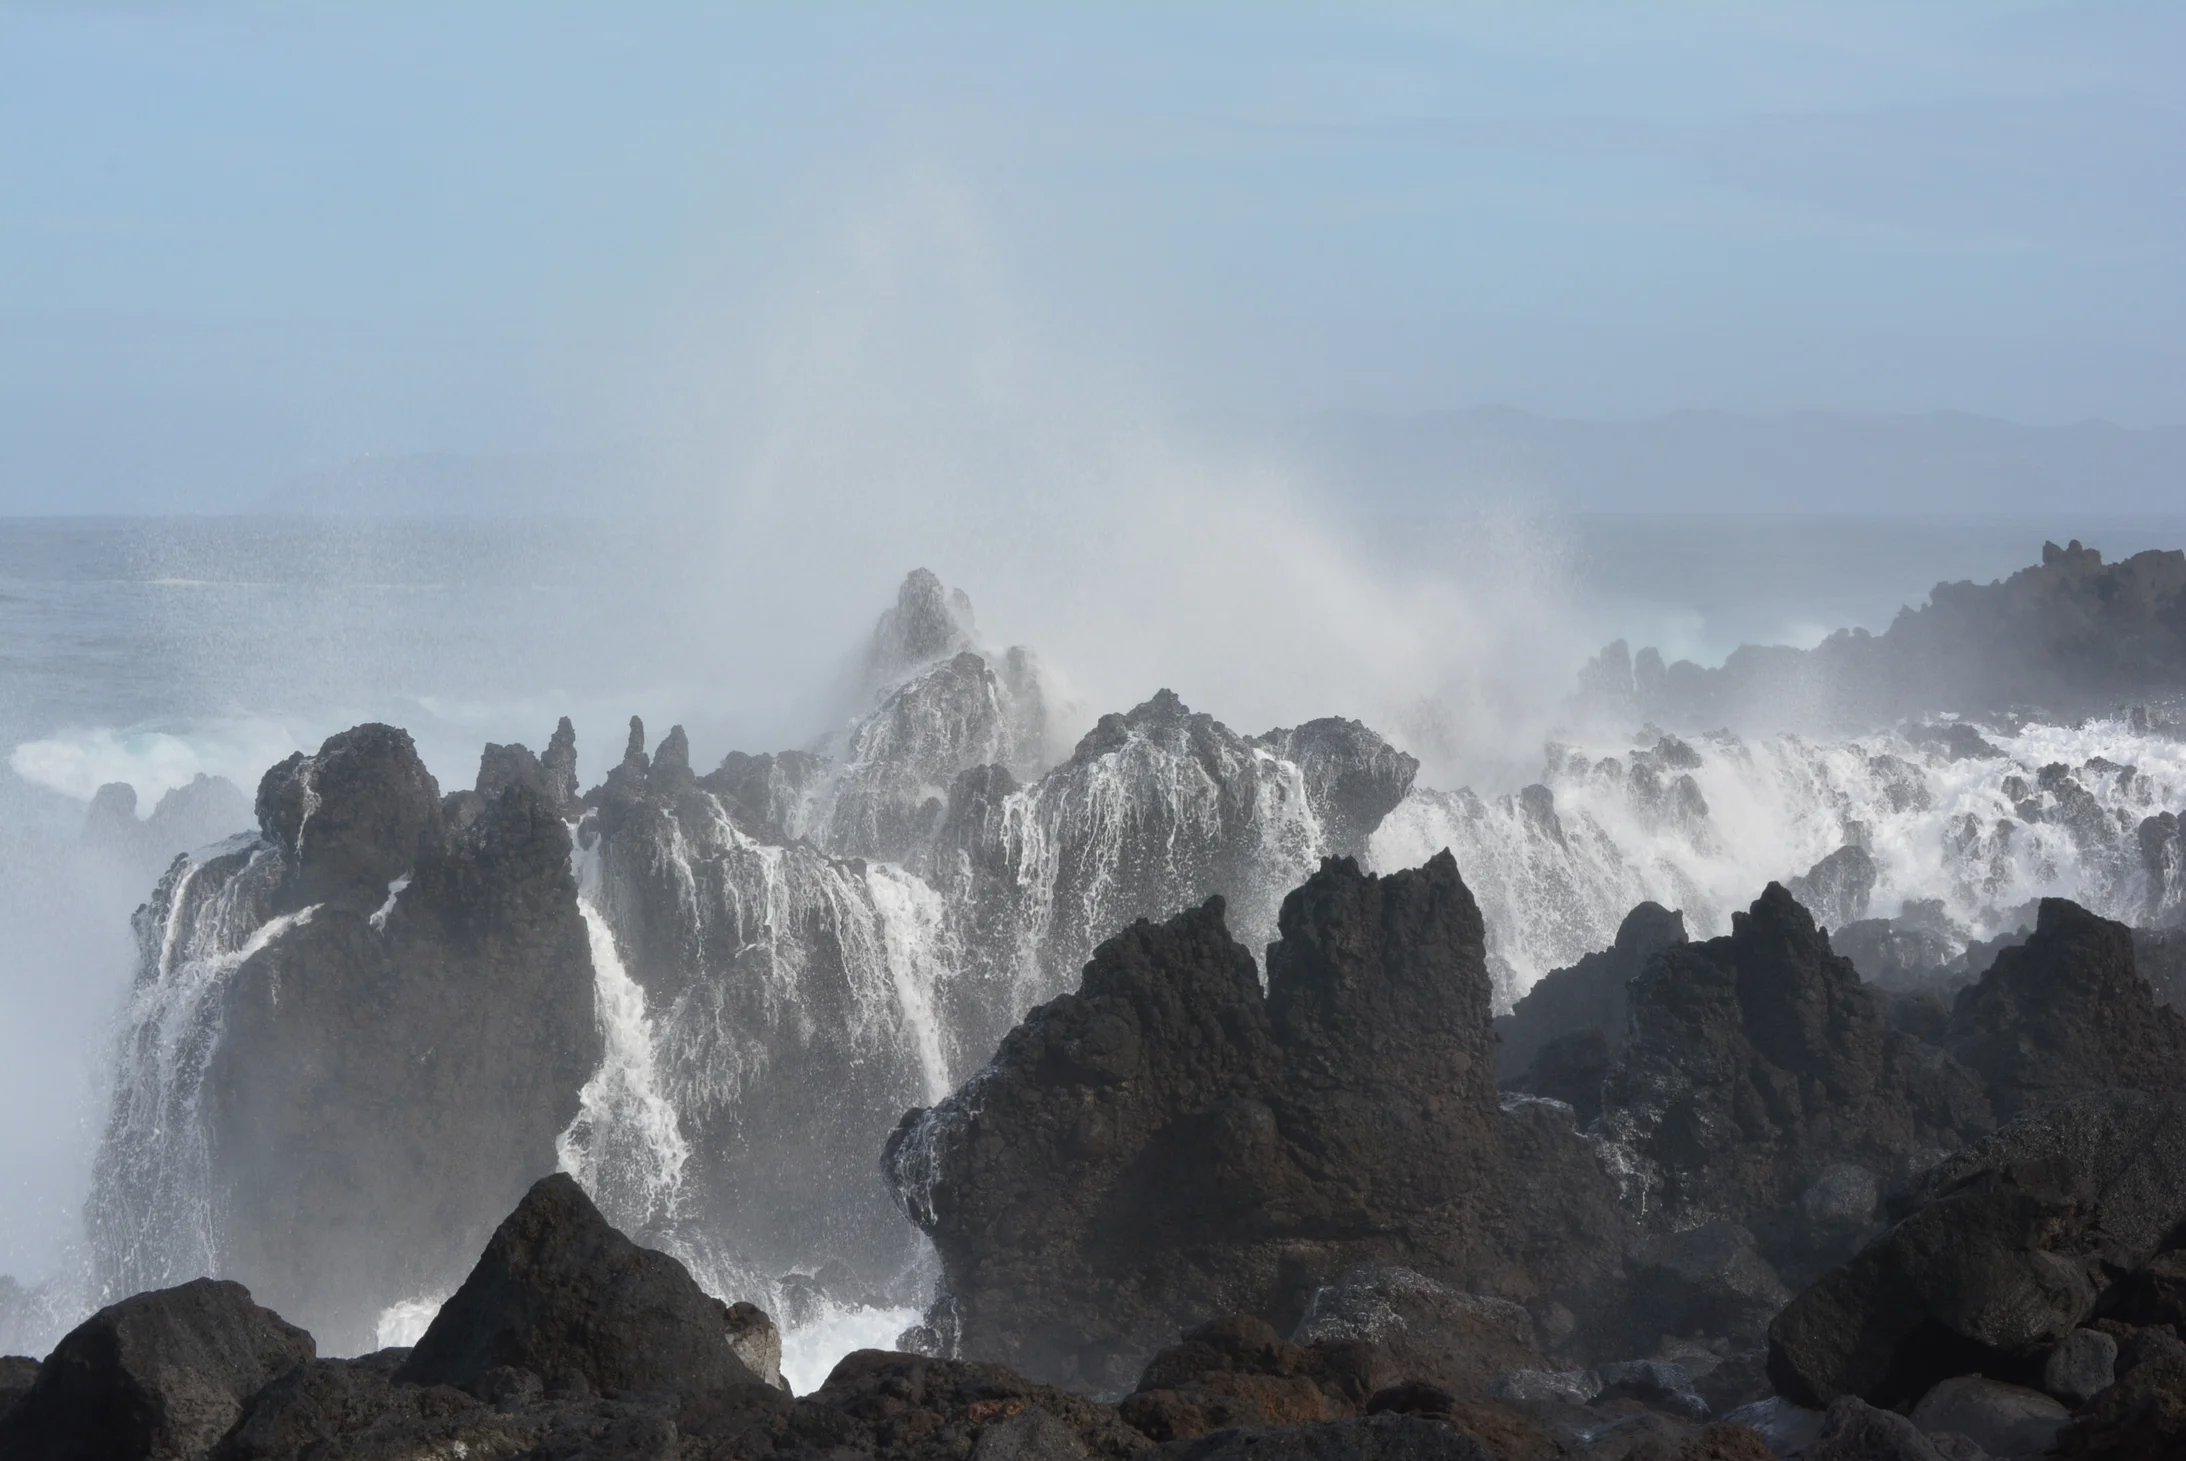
<point x="561" y="1293"/>
<point x="2065" y="1012"/>
<point x="2006" y="1249"/>
<point x="1167" y="1143"/>
<point x="163" y="1374"/>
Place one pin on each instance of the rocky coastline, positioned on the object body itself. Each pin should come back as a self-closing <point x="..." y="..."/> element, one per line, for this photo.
<point x="1210" y="1139"/>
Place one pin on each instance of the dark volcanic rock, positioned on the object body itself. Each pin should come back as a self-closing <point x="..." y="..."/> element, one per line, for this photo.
<point x="161" y="1375"/>
<point x="1353" y="777"/>
<point x="17" y="1373"/>
<point x="763" y="793"/>
<point x="1707" y="1280"/>
<point x="1389" y="1437"/>
<point x="2067" y="1012"/>
<point x="2140" y="1418"/>
<point x="1758" y="1062"/>
<point x="899" y="1404"/>
<point x="2002" y="1254"/>
<point x="562" y="1294"/>
<point x="2073" y="635"/>
<point x="370" y="1082"/>
<point x="1236" y="1371"/>
<point x="1836" y="890"/>
<point x="1407" y="1327"/>
<point x="1168" y="1143"/>
<point x="1588" y="997"/>
<point x="2160" y="955"/>
<point x="351" y="818"/>
<point x="1857" y="1431"/>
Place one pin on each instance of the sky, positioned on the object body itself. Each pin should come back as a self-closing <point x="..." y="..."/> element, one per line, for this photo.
<point x="240" y="243"/>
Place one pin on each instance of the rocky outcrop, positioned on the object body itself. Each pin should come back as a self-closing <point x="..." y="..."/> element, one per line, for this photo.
<point x="1836" y="890"/>
<point x="563" y="1295"/>
<point x="158" y="1375"/>
<point x="350" y="819"/>
<point x="354" y="1040"/>
<point x="823" y="940"/>
<point x="2070" y="636"/>
<point x="1167" y="1142"/>
<point x="2066" y="1012"/>
<point x="1559" y="1039"/>
<point x="1353" y="778"/>
<point x="1758" y="1066"/>
<point x="2006" y="1248"/>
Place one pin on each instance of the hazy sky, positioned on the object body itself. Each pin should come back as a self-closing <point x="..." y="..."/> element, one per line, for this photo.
<point x="242" y="241"/>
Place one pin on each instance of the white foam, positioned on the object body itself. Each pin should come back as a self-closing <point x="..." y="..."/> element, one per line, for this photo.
<point x="1553" y="890"/>
<point x="626" y="1145"/>
<point x="812" y="1349"/>
<point x="394" y="890"/>
<point x="403" y="1323"/>
<point x="77" y="763"/>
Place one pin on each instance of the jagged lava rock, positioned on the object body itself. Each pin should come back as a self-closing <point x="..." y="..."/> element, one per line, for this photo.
<point x="1853" y="1430"/>
<point x="1587" y="997"/>
<point x="1836" y="890"/>
<point x="1410" y="1327"/>
<point x="559" y="1292"/>
<point x="2002" y="1253"/>
<point x="2140" y="1418"/>
<point x="1758" y="1061"/>
<point x="1353" y="777"/>
<point x="1236" y="1370"/>
<point x="159" y="1375"/>
<point x="1389" y="1437"/>
<point x="385" y="1071"/>
<point x="2067" y="1011"/>
<point x="352" y="817"/>
<point x="1167" y="1143"/>
<point x="2002" y="1419"/>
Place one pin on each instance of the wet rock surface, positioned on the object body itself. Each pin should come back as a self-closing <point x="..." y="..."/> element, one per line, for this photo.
<point x="1168" y="1142"/>
<point x="560" y="1293"/>
<point x="404" y="1016"/>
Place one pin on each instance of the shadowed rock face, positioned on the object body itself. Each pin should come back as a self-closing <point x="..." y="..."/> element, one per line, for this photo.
<point x="2001" y="1250"/>
<point x="2065" y="1012"/>
<point x="160" y="1375"/>
<point x="1167" y="1143"/>
<point x="1588" y="997"/>
<point x="1759" y="1060"/>
<point x="387" y="1023"/>
<point x="560" y="1293"/>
